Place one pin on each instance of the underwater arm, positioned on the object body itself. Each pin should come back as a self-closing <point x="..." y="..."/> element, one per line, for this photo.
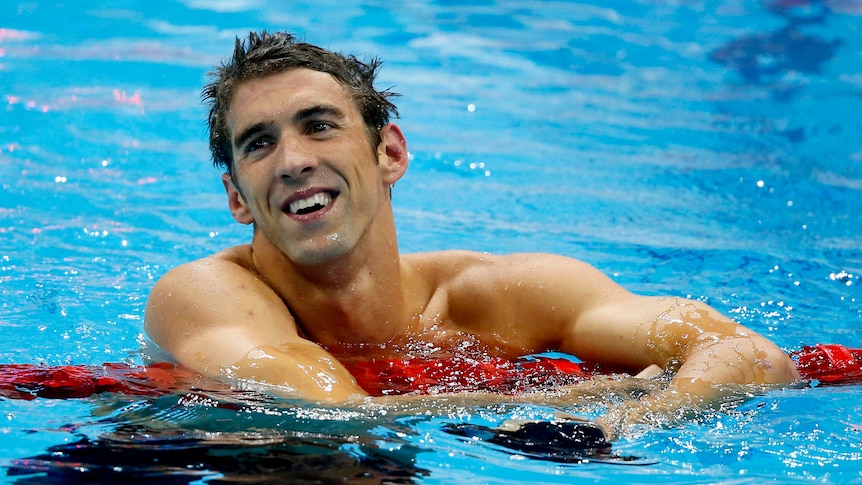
<point x="711" y="357"/>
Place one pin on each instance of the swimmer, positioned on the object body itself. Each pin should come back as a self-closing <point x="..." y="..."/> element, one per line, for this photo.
<point x="310" y="158"/>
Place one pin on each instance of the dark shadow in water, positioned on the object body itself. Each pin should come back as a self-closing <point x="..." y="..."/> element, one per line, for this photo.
<point x="561" y="442"/>
<point x="138" y="454"/>
<point x="760" y="58"/>
<point x="222" y="435"/>
<point x="219" y="437"/>
<point x="135" y="454"/>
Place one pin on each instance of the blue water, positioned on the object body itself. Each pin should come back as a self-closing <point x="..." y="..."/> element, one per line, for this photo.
<point x="707" y="149"/>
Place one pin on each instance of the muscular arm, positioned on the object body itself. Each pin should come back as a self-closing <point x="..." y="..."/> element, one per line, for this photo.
<point x="711" y="356"/>
<point x="218" y="319"/>
<point x="561" y="304"/>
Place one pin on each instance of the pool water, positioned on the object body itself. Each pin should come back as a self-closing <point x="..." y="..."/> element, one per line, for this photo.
<point x="707" y="149"/>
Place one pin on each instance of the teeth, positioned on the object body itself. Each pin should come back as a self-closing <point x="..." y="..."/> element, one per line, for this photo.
<point x="321" y="199"/>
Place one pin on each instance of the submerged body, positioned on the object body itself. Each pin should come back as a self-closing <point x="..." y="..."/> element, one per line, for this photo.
<point x="323" y="281"/>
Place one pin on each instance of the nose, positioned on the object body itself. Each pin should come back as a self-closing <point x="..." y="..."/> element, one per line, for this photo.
<point x="295" y="161"/>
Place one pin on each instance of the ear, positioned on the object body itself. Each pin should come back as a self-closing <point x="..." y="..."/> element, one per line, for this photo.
<point x="238" y="209"/>
<point x="392" y="156"/>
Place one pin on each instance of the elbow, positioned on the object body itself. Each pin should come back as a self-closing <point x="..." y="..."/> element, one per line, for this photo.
<point x="744" y="360"/>
<point x="767" y="364"/>
<point x="775" y="367"/>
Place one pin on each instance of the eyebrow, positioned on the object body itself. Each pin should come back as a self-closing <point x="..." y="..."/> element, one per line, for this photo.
<point x="314" y="111"/>
<point x="301" y="115"/>
<point x="249" y="132"/>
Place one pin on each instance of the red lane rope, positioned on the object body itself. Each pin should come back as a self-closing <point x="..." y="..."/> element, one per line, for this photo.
<point x="398" y="376"/>
<point x="827" y="364"/>
<point x="29" y="381"/>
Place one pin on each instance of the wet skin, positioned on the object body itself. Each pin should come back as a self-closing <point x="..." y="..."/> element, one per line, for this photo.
<point x="323" y="280"/>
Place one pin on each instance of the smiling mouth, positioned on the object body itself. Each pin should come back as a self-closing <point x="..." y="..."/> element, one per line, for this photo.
<point x="310" y="204"/>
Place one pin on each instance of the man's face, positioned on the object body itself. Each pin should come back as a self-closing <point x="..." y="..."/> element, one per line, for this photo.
<point x="304" y="169"/>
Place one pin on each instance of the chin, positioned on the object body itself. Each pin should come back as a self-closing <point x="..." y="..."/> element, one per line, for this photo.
<point x="318" y="255"/>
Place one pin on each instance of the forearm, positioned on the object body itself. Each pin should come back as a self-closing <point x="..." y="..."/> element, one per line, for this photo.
<point x="713" y="372"/>
<point x="717" y="367"/>
<point x="304" y="371"/>
<point x="710" y="355"/>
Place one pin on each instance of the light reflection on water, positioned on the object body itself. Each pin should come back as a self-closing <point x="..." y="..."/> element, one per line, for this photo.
<point x="705" y="149"/>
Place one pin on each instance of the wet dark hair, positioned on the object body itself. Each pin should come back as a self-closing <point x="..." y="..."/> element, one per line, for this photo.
<point x="265" y="54"/>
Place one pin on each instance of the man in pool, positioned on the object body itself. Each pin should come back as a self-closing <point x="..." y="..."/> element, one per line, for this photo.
<point x="310" y="159"/>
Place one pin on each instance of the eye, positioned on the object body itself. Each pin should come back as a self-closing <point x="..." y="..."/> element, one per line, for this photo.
<point x="319" y="127"/>
<point x="257" y="144"/>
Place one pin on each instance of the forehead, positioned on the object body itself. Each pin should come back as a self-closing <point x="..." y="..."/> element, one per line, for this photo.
<point x="264" y="99"/>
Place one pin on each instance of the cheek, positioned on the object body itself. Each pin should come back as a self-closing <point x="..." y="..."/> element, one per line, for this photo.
<point x="240" y="186"/>
<point x="253" y="194"/>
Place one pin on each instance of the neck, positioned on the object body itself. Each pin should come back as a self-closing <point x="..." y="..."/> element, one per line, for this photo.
<point x="354" y="300"/>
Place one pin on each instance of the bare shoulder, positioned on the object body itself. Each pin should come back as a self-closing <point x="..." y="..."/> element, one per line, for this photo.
<point x="483" y="269"/>
<point x="216" y="301"/>
<point x="523" y="297"/>
<point x="202" y="280"/>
